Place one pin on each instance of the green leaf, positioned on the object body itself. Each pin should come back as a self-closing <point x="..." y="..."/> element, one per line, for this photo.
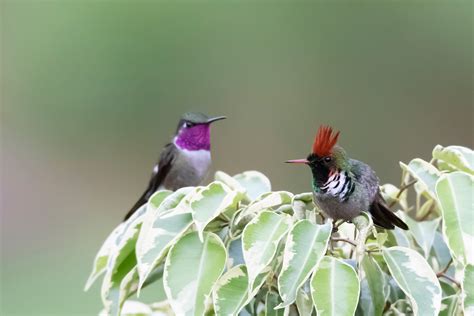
<point x="441" y="251"/>
<point x="468" y="290"/>
<point x="159" y="232"/>
<point x="461" y="158"/>
<point x="395" y="292"/>
<point x="426" y="208"/>
<point x="121" y="264"/>
<point x="272" y="300"/>
<point x="191" y="269"/>
<point x="127" y="285"/>
<point x="304" y="302"/>
<point x="260" y="240"/>
<point x="449" y="306"/>
<point x="425" y="173"/>
<point x="236" y="255"/>
<point x="456" y="198"/>
<point x="423" y="232"/>
<point x="254" y="182"/>
<point x="231" y="291"/>
<point x="100" y="262"/>
<point x="416" y="278"/>
<point x="305" y="246"/>
<point x="157" y="198"/>
<point x="211" y="201"/>
<point x="398" y="237"/>
<point x="372" y="300"/>
<point x="335" y="288"/>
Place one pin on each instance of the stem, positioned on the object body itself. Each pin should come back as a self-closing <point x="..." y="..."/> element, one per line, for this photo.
<point x="418" y="201"/>
<point x="336" y="226"/>
<point x="402" y="189"/>
<point x="351" y="253"/>
<point x="442" y="274"/>
<point x="445" y="268"/>
<point x="447" y="277"/>
<point x="353" y="243"/>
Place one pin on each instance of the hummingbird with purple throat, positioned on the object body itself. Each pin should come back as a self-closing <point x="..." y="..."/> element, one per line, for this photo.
<point x="345" y="187"/>
<point x="185" y="161"/>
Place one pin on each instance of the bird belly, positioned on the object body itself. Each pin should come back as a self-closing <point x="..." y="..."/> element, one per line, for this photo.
<point x="190" y="169"/>
<point x="333" y="207"/>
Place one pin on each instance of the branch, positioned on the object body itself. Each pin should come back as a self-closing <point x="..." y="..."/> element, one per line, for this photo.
<point x="444" y="275"/>
<point x="402" y="189"/>
<point x="445" y="268"/>
<point x="353" y="243"/>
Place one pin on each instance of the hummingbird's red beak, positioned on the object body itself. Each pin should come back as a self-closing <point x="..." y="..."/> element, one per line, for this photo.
<point x="305" y="161"/>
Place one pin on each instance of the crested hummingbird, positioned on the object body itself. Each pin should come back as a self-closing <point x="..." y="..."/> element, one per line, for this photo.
<point x="183" y="162"/>
<point x="345" y="187"/>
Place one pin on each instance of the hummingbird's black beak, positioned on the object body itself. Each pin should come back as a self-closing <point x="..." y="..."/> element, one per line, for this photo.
<point x="303" y="161"/>
<point x="217" y="118"/>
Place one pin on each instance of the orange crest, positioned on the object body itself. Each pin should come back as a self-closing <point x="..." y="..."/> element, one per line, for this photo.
<point x="324" y="141"/>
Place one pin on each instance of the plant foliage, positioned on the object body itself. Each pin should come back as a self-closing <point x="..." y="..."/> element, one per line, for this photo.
<point x="236" y="247"/>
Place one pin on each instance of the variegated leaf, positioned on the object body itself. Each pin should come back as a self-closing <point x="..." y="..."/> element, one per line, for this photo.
<point x="228" y="180"/>
<point x="416" y="278"/>
<point x="372" y="298"/>
<point x="423" y="232"/>
<point x="455" y="193"/>
<point x="458" y="157"/>
<point x="398" y="237"/>
<point x="335" y="288"/>
<point x="100" y="262"/>
<point x="260" y="241"/>
<point x="254" y="182"/>
<point x="304" y="302"/>
<point x="305" y="246"/>
<point x="135" y="308"/>
<point x="212" y="200"/>
<point x="425" y="173"/>
<point x="468" y="290"/>
<point x="121" y="261"/>
<point x="269" y="200"/>
<point x="191" y="269"/>
<point x="392" y="194"/>
<point x="231" y="292"/>
<point x="157" y="233"/>
<point x="123" y="287"/>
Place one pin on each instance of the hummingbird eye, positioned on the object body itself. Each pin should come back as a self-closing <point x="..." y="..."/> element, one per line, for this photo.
<point x="188" y="124"/>
<point x="327" y="159"/>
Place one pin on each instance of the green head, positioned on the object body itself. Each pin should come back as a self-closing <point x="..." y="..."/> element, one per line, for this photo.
<point x="326" y="157"/>
<point x="196" y="118"/>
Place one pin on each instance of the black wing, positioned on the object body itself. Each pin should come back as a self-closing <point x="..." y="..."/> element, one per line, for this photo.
<point x="160" y="171"/>
<point x="382" y="216"/>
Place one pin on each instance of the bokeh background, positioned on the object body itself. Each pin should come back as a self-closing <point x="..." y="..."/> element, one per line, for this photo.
<point x="91" y="91"/>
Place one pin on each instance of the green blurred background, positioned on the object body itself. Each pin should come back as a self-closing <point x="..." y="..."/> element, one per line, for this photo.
<point x="92" y="90"/>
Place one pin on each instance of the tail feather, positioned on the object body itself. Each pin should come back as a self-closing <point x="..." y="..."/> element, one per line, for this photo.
<point x="142" y="200"/>
<point x="383" y="217"/>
